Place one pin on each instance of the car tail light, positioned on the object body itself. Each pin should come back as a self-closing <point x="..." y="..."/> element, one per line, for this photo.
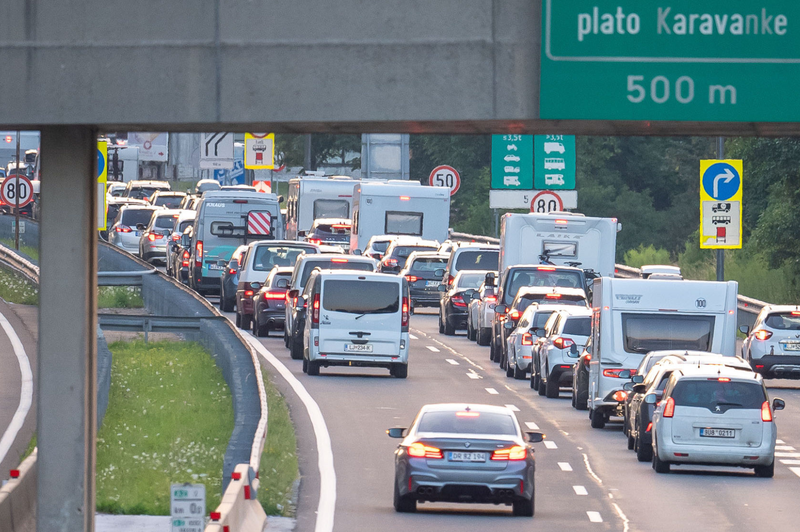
<point x="669" y="408"/>
<point x="516" y="452"/>
<point x="412" y="278"/>
<point x="315" y="310"/>
<point x="527" y="339"/>
<point x="389" y="262"/>
<point x="458" y="301"/>
<point x="649" y="427"/>
<point x="796" y="313"/>
<point x="552" y="296"/>
<point x="176" y="237"/>
<point x="185" y="261"/>
<point x="588" y="358"/>
<point x="152" y="237"/>
<point x="240" y="201"/>
<point x="198" y="254"/>
<point x="563" y="343"/>
<point x="404" y="317"/>
<point x="420" y="450"/>
<point x="248" y="293"/>
<point x="763" y="335"/>
<point x="514" y="314"/>
<point x="123" y="229"/>
<point x="315" y="241"/>
<point x="231" y="271"/>
<point x="620" y="395"/>
<point x="450" y="279"/>
<point x="766" y="413"/>
<point x="490" y="299"/>
<point x="614" y="373"/>
<point x="272" y="295"/>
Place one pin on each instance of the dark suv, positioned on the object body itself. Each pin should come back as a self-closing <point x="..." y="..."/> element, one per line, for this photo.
<point x="423" y="283"/>
<point x="398" y="251"/>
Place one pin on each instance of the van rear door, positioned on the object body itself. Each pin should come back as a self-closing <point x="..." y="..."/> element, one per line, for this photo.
<point x="360" y="316"/>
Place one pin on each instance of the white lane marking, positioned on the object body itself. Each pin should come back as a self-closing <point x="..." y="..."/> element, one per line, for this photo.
<point x="787" y="455"/>
<point x="550" y="444"/>
<point x="431" y="348"/>
<point x="780" y="441"/>
<point x="447" y="347"/>
<point x="790" y="462"/>
<point x="795" y="470"/>
<point x="512" y="408"/>
<point x="25" y="392"/>
<point x="327" y="475"/>
<point x="784" y="448"/>
<point x="451" y="361"/>
<point x="590" y="470"/>
<point x="413" y="337"/>
<point x="580" y="490"/>
<point x="531" y="425"/>
<point x="595" y="517"/>
<point x="625" y="521"/>
<point x="492" y="391"/>
<point x="472" y="375"/>
<point x="565" y="466"/>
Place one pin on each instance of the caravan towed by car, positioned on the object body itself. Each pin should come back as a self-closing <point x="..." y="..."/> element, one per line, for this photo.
<point x="316" y="196"/>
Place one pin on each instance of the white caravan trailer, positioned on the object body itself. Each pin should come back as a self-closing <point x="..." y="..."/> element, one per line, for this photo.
<point x="561" y="238"/>
<point x="632" y="317"/>
<point x="315" y="197"/>
<point x="398" y="208"/>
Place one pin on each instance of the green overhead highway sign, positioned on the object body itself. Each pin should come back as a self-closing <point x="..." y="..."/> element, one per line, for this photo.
<point x="554" y="162"/>
<point x="682" y="60"/>
<point x="512" y="162"/>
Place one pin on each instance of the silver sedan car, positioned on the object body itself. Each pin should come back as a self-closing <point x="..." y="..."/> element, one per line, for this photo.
<point x="465" y="453"/>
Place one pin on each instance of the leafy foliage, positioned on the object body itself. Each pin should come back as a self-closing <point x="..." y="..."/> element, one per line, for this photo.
<point x="646" y="255"/>
<point x="290" y="149"/>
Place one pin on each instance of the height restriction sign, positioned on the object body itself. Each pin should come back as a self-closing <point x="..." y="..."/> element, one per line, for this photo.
<point x="721" y="204"/>
<point x="259" y="151"/>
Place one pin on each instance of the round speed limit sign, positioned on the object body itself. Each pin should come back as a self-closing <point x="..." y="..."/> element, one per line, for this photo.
<point x="445" y="176"/>
<point x="546" y="201"/>
<point x="16" y="189"/>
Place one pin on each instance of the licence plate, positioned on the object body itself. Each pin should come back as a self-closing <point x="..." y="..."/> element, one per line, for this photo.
<point x="357" y="348"/>
<point x="213" y="266"/>
<point x="791" y="345"/>
<point x="432" y="283"/>
<point x="718" y="433"/>
<point x="458" y="456"/>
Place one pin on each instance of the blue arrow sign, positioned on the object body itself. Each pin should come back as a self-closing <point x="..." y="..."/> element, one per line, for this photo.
<point x="721" y="181"/>
<point x="101" y="162"/>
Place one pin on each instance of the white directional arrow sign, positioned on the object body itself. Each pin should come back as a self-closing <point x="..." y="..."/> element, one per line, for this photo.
<point x="727" y="176"/>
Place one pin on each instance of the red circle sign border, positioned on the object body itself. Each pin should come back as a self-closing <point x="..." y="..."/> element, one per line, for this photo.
<point x="446" y="167"/>
<point x="3" y="188"/>
<point x="552" y="193"/>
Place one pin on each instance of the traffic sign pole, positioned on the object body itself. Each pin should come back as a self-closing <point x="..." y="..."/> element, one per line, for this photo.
<point x="720" y="252"/>
<point x="16" y="195"/>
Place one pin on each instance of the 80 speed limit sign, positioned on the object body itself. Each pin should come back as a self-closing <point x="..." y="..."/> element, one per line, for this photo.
<point x="546" y="201"/>
<point x="445" y="176"/>
<point x="16" y="189"/>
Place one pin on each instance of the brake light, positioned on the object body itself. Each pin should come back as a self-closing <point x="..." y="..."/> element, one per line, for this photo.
<point x="176" y="237"/>
<point x="468" y="414"/>
<point x="315" y="241"/>
<point x="491" y="299"/>
<point x="340" y="261"/>
<point x="420" y="450"/>
<point x="458" y="301"/>
<point x="546" y="269"/>
<point x="516" y="452"/>
<point x="123" y="229"/>
<point x="273" y="295"/>
<point x="649" y="427"/>
<point x="390" y="262"/>
<point x="341" y="226"/>
<point x="152" y="237"/>
<point x="248" y="293"/>
<point x="404" y="198"/>
<point x="563" y="343"/>
<point x="231" y="271"/>
<point x="198" y="254"/>
<point x="763" y="335"/>
<point x="796" y="313"/>
<point x="404" y="317"/>
<point x="527" y="339"/>
<point x="240" y="201"/>
<point x="450" y="279"/>
<point x="766" y="413"/>
<point x="614" y="373"/>
<point x="412" y="278"/>
<point x="561" y="222"/>
<point x="315" y="310"/>
<point x="185" y="261"/>
<point x="724" y="379"/>
<point x="552" y="296"/>
<point x="669" y="408"/>
<point x="620" y="395"/>
<point x="514" y="314"/>
<point x="9" y="138"/>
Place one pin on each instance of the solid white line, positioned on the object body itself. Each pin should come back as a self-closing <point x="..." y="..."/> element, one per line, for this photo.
<point x="595" y="517"/>
<point x="580" y="490"/>
<point x="780" y="441"/>
<point x="795" y="470"/>
<point x="431" y="348"/>
<point x="451" y="361"/>
<point x="327" y="475"/>
<point x="512" y="408"/>
<point x="787" y="455"/>
<point x="589" y="469"/>
<point x="531" y="425"/>
<point x="25" y="392"/>
<point x="625" y="521"/>
<point x="784" y="448"/>
<point x="550" y="444"/>
<point x="413" y="337"/>
<point x="790" y="462"/>
<point x="492" y="391"/>
<point x="565" y="466"/>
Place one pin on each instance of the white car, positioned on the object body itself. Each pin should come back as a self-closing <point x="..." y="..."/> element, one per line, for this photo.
<point x="773" y="345"/>
<point x="566" y="334"/>
<point x="714" y="416"/>
<point x="481" y="311"/>
<point x="511" y="158"/>
<point x="521" y="341"/>
<point x="127" y="230"/>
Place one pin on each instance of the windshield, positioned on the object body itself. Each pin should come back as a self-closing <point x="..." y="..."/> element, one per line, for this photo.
<point x="404" y="251"/>
<point x="561" y="299"/>
<point x="361" y="297"/>
<point x="520" y="278"/>
<point x="539" y="319"/>
<point x="789" y="321"/>
<point x="133" y="217"/>
<point x="142" y="192"/>
<point x="655" y="332"/>
<point x="714" y="393"/>
<point x="478" y="260"/>
<point x="467" y="422"/>
<point x="328" y="208"/>
<point x="428" y="265"/>
<point x="266" y="257"/>
<point x="578" y="326"/>
<point x="334" y="264"/>
<point x="165" y="222"/>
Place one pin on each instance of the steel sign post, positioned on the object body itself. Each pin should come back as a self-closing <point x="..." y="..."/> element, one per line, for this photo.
<point x="445" y="176"/>
<point x="16" y="198"/>
<point x="721" y="204"/>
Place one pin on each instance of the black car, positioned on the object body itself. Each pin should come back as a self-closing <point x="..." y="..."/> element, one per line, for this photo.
<point x="423" y="283"/>
<point x="454" y="305"/>
<point x="580" y="379"/>
<point x="230" y="281"/>
<point x="176" y="252"/>
<point x="398" y="251"/>
<point x="270" y="302"/>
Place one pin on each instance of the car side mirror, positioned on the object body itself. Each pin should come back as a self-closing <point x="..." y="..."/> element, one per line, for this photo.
<point x="476" y="296"/>
<point x="540" y="333"/>
<point x="439" y="272"/>
<point x="625" y="374"/>
<point x="140" y="227"/>
<point x="500" y="309"/>
<point x="534" y="437"/>
<point x="650" y="399"/>
<point x="282" y="283"/>
<point x="628" y="386"/>
<point x="778" y="404"/>
<point x="301" y="233"/>
<point x="358" y="252"/>
<point x="637" y="379"/>
<point x="396" y="432"/>
<point x="508" y="325"/>
<point x="744" y="329"/>
<point x="293" y="293"/>
<point x="255" y="286"/>
<point x="639" y="388"/>
<point x="442" y="288"/>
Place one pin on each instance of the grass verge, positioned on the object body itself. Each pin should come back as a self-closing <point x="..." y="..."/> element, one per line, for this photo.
<point x="30" y="251"/>
<point x="278" y="471"/>
<point x="169" y="418"/>
<point x="119" y="297"/>
<point x="16" y="289"/>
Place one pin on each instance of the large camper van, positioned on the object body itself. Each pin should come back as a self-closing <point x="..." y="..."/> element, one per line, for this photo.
<point x="398" y="208"/>
<point x="313" y="197"/>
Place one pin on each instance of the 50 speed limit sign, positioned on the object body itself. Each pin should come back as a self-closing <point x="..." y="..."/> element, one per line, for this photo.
<point x="445" y="176"/>
<point x="16" y="189"/>
<point x="546" y="201"/>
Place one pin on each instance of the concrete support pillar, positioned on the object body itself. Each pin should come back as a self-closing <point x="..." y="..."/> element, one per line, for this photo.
<point x="67" y="322"/>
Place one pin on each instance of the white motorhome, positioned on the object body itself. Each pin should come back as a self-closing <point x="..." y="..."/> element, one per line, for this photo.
<point x="398" y="208"/>
<point x="561" y="238"/>
<point x="313" y="197"/>
<point x="632" y="317"/>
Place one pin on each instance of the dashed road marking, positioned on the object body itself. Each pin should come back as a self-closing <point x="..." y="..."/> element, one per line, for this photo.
<point x="451" y="361"/>
<point x="595" y="517"/>
<point x="790" y="462"/>
<point x="531" y="425"/>
<point x="492" y="391"/>
<point x="565" y="466"/>
<point x="550" y="444"/>
<point x="780" y="441"/>
<point x="784" y="448"/>
<point x="787" y="455"/>
<point x="431" y="348"/>
<point x="472" y="375"/>
<point x="413" y="337"/>
<point x="512" y="408"/>
<point x="795" y="470"/>
<point x="580" y="490"/>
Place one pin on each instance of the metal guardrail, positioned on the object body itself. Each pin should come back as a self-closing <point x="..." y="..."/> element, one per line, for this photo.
<point x="149" y="324"/>
<point x="131" y="278"/>
<point x="452" y="235"/>
<point x="20" y="264"/>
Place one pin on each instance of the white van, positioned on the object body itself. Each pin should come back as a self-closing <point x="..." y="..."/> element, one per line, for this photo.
<point x="562" y="238"/>
<point x="315" y="197"/>
<point x="398" y="208"/>
<point x="632" y="317"/>
<point x="356" y="319"/>
<point x="226" y="220"/>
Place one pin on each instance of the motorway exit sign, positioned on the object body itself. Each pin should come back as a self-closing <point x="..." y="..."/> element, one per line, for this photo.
<point x="736" y="60"/>
<point x="512" y="162"/>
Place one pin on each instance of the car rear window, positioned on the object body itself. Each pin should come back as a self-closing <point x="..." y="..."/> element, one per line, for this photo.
<point x="713" y="393"/>
<point x="554" y="298"/>
<point x="783" y="320"/>
<point x="334" y="264"/>
<point x="381" y="245"/>
<point x="328" y="208"/>
<point x="477" y="260"/>
<point x="404" y="251"/>
<point x="184" y="224"/>
<point x="539" y="319"/>
<point x="428" y="264"/>
<point x="142" y="192"/>
<point x="520" y="278"/>
<point x="656" y="332"/>
<point x="170" y="202"/>
<point x="471" y="280"/>
<point x="267" y="257"/>
<point x="132" y="217"/>
<point x="334" y="229"/>
<point x="359" y="297"/>
<point x="578" y="326"/>
<point x="165" y="222"/>
<point x="278" y="276"/>
<point x="467" y="422"/>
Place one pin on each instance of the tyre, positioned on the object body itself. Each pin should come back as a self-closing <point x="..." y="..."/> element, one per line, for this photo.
<point x="404" y="504"/>
<point x="573" y="398"/>
<point x="400" y="370"/>
<point x="238" y="320"/>
<point x="631" y="442"/>
<point x="285" y="337"/>
<point x="295" y="349"/>
<point x="492" y="356"/>
<point x="469" y="328"/>
<point x="246" y="321"/>
<point x="523" y="507"/>
<point x="226" y="305"/>
<point x="484" y="336"/>
<point x="542" y="388"/>
<point x="305" y="366"/>
<point x="644" y="452"/>
<point x="582" y="393"/>
<point x="312" y="368"/>
<point x="598" y="420"/>
<point x="658" y="465"/>
<point x="509" y="369"/>
<point x="441" y="326"/>
<point x="519" y="374"/>
<point x="552" y="388"/>
<point x="449" y="330"/>
<point x="536" y="381"/>
<point x="765" y="471"/>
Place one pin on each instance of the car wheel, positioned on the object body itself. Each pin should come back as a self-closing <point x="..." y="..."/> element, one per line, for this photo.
<point x="238" y="320"/>
<point x="295" y="349"/>
<point x="313" y="368"/>
<point x="484" y="336"/>
<point x="519" y="374"/>
<point x="404" y="504"/>
<point x="246" y="320"/>
<point x="449" y="330"/>
<point x="536" y="381"/>
<point x="305" y="366"/>
<point x="644" y="453"/>
<point x="631" y="443"/>
<point x="523" y="507"/>
<point x="285" y="337"/>
<point x="598" y="420"/>
<point x="658" y="465"/>
<point x="582" y="393"/>
<point x="552" y="388"/>
<point x="226" y="304"/>
<point x="765" y="471"/>
<point x="400" y="370"/>
<point x="491" y="351"/>
<point x="509" y="368"/>
<point x="441" y="326"/>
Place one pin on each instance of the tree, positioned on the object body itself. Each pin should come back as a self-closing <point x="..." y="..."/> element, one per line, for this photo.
<point x="290" y="149"/>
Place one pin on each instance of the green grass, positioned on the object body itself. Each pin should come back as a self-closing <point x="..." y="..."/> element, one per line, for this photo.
<point x="119" y="297"/>
<point x="32" y="252"/>
<point x="16" y="289"/>
<point x="278" y="471"/>
<point x="29" y="450"/>
<point x="169" y="419"/>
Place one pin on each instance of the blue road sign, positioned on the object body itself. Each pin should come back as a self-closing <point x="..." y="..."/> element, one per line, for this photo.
<point x="101" y="162"/>
<point x="721" y="181"/>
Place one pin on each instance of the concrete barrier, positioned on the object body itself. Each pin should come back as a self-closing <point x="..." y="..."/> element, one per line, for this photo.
<point x="239" y="509"/>
<point x="18" y="499"/>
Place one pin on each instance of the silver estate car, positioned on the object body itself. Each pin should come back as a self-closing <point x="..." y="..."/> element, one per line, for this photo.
<point x="773" y="345"/>
<point x="465" y="453"/>
<point x="714" y="415"/>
